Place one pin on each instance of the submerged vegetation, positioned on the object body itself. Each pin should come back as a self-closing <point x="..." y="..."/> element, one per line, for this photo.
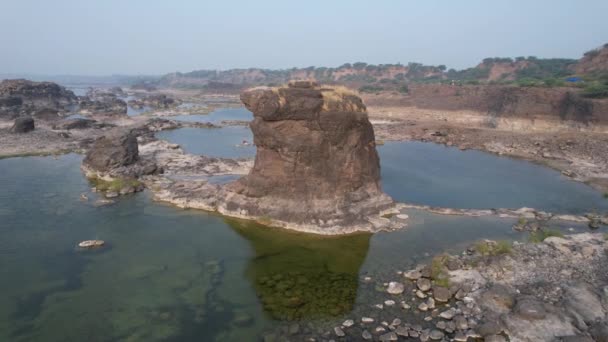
<point x="302" y="276"/>
<point x="115" y="184"/>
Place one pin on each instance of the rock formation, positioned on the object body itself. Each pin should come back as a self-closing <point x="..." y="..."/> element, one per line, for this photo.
<point x="25" y="98"/>
<point x="159" y="101"/>
<point x="116" y="156"/>
<point x="100" y="101"/>
<point x="23" y="125"/>
<point x="316" y="167"/>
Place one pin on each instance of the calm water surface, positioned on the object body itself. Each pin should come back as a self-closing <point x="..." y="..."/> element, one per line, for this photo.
<point x="218" y="116"/>
<point x="184" y="275"/>
<point x="427" y="173"/>
<point x="225" y="142"/>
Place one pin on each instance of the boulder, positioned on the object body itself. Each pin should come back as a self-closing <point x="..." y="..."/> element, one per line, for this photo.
<point x="441" y="294"/>
<point x="395" y="288"/>
<point x="23" y="125"/>
<point x="316" y="166"/>
<point x="112" y="151"/>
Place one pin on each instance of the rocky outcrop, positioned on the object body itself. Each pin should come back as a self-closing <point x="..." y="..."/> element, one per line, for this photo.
<point x="113" y="151"/>
<point x="23" y="125"/>
<point x="25" y="98"/>
<point x="103" y="105"/>
<point x="316" y="167"/>
<point x="116" y="156"/>
<point x="159" y="101"/>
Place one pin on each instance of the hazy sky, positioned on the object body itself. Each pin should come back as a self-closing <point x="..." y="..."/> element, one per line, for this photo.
<point x="97" y="37"/>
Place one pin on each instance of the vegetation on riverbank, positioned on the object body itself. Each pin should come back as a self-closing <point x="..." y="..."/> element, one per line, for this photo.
<point x="489" y="248"/>
<point x="541" y="234"/>
<point x="115" y="184"/>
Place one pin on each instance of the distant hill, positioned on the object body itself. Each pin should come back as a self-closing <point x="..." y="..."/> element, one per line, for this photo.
<point x="523" y="71"/>
<point x="593" y="62"/>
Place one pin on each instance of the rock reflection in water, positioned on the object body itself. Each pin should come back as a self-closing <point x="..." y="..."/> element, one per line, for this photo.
<point x="302" y="276"/>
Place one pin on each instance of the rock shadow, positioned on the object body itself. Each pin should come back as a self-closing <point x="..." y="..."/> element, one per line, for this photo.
<point x="300" y="276"/>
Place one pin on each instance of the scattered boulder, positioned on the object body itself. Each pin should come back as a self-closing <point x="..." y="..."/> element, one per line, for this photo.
<point x="441" y="294"/>
<point x="88" y="244"/>
<point x="395" y="288"/>
<point x="423" y="284"/>
<point x="412" y="275"/>
<point x="23" y="125"/>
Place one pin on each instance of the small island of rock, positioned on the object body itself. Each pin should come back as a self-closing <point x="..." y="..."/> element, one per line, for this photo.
<point x="316" y="168"/>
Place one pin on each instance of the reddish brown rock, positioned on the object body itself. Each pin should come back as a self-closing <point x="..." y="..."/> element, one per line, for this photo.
<point x="316" y="167"/>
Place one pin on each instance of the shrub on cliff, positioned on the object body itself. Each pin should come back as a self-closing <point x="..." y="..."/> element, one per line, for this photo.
<point x="404" y="89"/>
<point x="596" y="90"/>
<point x="370" y="89"/>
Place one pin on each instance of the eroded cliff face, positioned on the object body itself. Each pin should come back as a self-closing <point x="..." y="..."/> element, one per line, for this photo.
<point x="316" y="166"/>
<point x="498" y="101"/>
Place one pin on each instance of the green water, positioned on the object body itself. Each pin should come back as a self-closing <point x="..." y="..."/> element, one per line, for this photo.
<point x="184" y="275"/>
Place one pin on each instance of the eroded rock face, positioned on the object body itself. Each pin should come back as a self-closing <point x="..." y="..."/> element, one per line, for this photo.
<point x="316" y="165"/>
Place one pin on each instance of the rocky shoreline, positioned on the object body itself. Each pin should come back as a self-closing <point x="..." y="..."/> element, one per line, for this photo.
<point x="553" y="290"/>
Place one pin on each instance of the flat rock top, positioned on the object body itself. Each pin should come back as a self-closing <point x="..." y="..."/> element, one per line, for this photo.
<point x="301" y="100"/>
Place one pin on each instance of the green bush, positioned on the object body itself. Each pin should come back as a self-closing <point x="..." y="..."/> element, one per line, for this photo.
<point x="404" y="89"/>
<point x="438" y="271"/>
<point x="595" y="90"/>
<point x="486" y="248"/>
<point x="541" y="235"/>
<point x="370" y="89"/>
<point x="115" y="184"/>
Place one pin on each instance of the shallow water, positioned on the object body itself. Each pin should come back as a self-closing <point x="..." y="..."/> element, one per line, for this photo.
<point x="432" y="174"/>
<point x="427" y="173"/>
<point x="217" y="116"/>
<point x="186" y="275"/>
<point x="175" y="274"/>
<point x="225" y="142"/>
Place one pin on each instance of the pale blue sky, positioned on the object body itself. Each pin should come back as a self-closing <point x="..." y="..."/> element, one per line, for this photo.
<point x="97" y="37"/>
